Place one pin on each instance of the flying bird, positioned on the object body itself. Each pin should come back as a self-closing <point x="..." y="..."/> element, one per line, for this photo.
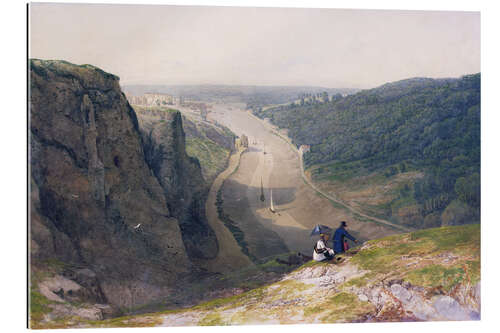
<point x="137" y="226"/>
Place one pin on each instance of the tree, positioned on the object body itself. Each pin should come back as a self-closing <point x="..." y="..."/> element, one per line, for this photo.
<point x="324" y="96"/>
<point x="468" y="189"/>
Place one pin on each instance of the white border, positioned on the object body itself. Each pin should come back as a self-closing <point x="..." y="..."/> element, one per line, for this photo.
<point x="13" y="165"/>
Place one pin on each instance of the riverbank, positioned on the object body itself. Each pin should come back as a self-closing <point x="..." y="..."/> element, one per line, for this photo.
<point x="229" y="257"/>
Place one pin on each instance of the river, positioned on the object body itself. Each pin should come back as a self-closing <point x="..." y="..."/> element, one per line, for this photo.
<point x="272" y="161"/>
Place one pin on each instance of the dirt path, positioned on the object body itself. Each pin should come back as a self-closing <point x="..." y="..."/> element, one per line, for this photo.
<point x="230" y="256"/>
<point x="352" y="209"/>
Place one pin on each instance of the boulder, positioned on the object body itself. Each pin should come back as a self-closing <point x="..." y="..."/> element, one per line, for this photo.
<point x="449" y="309"/>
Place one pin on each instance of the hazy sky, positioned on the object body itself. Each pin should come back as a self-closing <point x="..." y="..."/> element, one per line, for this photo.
<point x="257" y="46"/>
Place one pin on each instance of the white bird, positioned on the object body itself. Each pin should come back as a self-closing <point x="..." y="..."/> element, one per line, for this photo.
<point x="137" y="226"/>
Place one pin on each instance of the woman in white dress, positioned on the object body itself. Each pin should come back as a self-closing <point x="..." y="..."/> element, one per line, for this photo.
<point x="321" y="251"/>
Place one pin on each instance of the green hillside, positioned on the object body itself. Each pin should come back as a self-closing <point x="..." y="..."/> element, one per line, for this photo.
<point x="210" y="144"/>
<point x="420" y="137"/>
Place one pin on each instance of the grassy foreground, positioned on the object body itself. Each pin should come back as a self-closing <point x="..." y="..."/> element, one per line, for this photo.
<point x="429" y="263"/>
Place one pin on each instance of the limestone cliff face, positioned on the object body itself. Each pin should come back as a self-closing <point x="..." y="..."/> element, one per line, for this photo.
<point x="181" y="179"/>
<point x="91" y="187"/>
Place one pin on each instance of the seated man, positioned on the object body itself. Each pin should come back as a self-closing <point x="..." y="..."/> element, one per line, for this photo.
<point x="321" y="251"/>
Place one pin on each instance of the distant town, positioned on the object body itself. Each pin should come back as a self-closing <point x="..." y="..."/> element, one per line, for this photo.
<point x="166" y="100"/>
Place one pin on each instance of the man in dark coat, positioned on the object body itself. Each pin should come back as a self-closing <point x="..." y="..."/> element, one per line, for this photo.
<point x="338" y="238"/>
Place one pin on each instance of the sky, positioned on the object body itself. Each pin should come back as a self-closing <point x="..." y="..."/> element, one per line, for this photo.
<point x="334" y="48"/>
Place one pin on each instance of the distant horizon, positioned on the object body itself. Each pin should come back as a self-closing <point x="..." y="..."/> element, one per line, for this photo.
<point x="294" y="86"/>
<point x="261" y="85"/>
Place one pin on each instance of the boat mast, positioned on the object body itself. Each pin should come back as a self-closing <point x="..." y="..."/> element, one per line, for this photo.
<point x="272" y="205"/>
<point x="262" y="198"/>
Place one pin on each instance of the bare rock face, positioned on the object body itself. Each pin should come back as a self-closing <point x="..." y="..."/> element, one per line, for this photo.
<point x="91" y="187"/>
<point x="181" y="179"/>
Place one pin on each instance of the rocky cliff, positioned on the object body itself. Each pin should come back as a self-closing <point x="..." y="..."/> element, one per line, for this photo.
<point x="108" y="207"/>
<point x="210" y="143"/>
<point x="181" y="179"/>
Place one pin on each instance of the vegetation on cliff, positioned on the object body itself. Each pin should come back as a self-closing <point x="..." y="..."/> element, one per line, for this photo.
<point x="210" y="144"/>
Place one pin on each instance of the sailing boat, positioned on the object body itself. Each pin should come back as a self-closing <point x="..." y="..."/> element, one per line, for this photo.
<point x="262" y="198"/>
<point x="272" y="205"/>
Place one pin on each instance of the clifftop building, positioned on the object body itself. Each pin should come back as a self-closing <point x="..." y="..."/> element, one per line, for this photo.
<point x="152" y="99"/>
<point x="304" y="149"/>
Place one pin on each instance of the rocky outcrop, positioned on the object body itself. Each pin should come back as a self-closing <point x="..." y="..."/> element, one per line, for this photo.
<point x="95" y="202"/>
<point x="181" y="179"/>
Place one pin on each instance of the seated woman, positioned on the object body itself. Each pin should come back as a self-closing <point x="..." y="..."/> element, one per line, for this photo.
<point x="321" y="251"/>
